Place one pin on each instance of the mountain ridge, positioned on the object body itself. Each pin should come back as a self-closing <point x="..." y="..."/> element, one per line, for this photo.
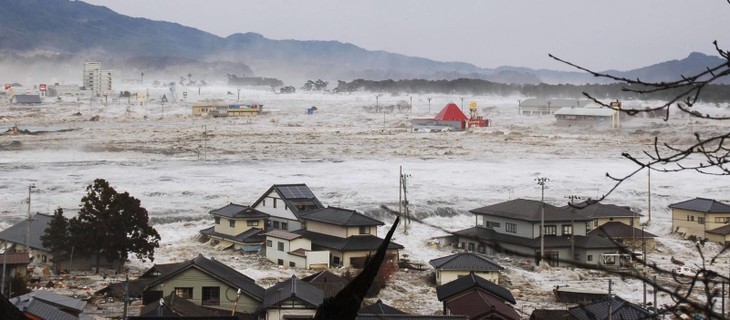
<point x="81" y="30"/>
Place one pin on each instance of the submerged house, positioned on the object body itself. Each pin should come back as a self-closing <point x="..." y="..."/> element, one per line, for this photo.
<point x="452" y="267"/>
<point x="237" y="226"/>
<point x="515" y="227"/>
<point x="450" y="118"/>
<point x="702" y="218"/>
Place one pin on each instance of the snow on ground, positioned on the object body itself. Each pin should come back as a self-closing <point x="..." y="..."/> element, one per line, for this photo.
<point x="350" y="157"/>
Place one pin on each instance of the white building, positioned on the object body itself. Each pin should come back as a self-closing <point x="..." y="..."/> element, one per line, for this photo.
<point x="96" y="79"/>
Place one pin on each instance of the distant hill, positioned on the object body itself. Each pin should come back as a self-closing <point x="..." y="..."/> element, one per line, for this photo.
<point x="72" y="31"/>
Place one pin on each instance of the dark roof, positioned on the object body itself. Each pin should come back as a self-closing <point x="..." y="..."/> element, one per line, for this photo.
<point x="15" y="258"/>
<point x="724" y="230"/>
<point x="44" y="310"/>
<point x="406" y="317"/>
<point x="220" y="271"/>
<point x="546" y="314"/>
<point x="292" y="288"/>
<point x="465" y="261"/>
<point x="281" y="234"/>
<point x="354" y="243"/>
<point x="494" y="239"/>
<point x="601" y="210"/>
<point x="174" y="307"/>
<point x="611" y="307"/>
<point x="294" y="195"/>
<point x="328" y="282"/>
<point x="481" y="305"/>
<point x="252" y="235"/>
<point x="620" y="230"/>
<point x="341" y="217"/>
<point x="472" y="281"/>
<point x="16" y="233"/>
<point x="379" y="308"/>
<point x="529" y="210"/>
<point x="324" y="276"/>
<point x="134" y="287"/>
<point x="51" y="298"/>
<point x="702" y="205"/>
<point x="160" y="269"/>
<point x="237" y="211"/>
<point x="28" y="99"/>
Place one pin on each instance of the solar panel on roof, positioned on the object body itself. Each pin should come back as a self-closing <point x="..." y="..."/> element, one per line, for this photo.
<point x="296" y="192"/>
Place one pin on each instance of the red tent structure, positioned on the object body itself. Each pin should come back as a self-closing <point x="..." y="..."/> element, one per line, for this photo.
<point x="451" y="112"/>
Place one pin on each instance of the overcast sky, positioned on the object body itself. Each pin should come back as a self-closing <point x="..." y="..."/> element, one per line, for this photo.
<point x="614" y="34"/>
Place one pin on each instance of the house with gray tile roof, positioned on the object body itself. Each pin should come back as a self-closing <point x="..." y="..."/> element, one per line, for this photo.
<point x="451" y="267"/>
<point x="351" y="251"/>
<point x="47" y="304"/>
<point x="209" y="283"/>
<point x="291" y="299"/>
<point x="610" y="307"/>
<point x="630" y="237"/>
<point x="382" y="311"/>
<point x="237" y="226"/>
<point x="326" y="281"/>
<point x="515" y="227"/>
<point x="477" y="298"/>
<point x="286" y="203"/>
<point x="695" y="217"/>
<point x="605" y="212"/>
<point x="14" y="237"/>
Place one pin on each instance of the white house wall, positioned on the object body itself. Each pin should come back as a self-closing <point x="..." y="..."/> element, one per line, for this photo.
<point x="281" y="210"/>
<point x="317" y="259"/>
<point x="446" y="276"/>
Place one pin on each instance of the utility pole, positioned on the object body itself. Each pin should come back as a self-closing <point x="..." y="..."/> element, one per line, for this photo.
<point x="649" y="193"/>
<point x="5" y="261"/>
<point x="205" y="141"/>
<point x="126" y="294"/>
<point x="541" y="181"/>
<point x="429" y="105"/>
<point x="27" y="234"/>
<point x="572" y="225"/>
<point x="403" y="202"/>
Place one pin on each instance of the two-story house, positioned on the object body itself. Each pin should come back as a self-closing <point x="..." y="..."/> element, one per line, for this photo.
<point x="209" y="283"/>
<point x="523" y="227"/>
<point x="701" y="218"/>
<point x="348" y="235"/>
<point x="285" y="204"/>
<point x="477" y="298"/>
<point x="237" y="226"/>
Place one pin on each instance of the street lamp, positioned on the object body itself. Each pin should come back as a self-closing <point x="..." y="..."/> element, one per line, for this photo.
<point x="541" y="181"/>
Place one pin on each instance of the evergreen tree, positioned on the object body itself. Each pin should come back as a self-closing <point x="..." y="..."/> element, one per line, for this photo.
<point x="56" y="236"/>
<point x="111" y="225"/>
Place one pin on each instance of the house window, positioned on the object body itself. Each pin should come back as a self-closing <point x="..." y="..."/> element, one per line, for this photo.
<point x="284" y="226"/>
<point x="551" y="230"/>
<point x="687" y="217"/>
<point x="232" y="223"/>
<point x="721" y="219"/>
<point x="492" y="225"/>
<point x="701" y="220"/>
<point x="589" y="257"/>
<point x="336" y="260"/>
<point x="510" y="227"/>
<point x="691" y="218"/>
<point x="269" y="243"/>
<point x="292" y="264"/>
<point x="211" y="296"/>
<point x="567" y="229"/>
<point x="276" y="224"/>
<point x="481" y="248"/>
<point x="186" y="293"/>
<point x="595" y="223"/>
<point x="274" y="202"/>
<point x="576" y="257"/>
<point x="263" y="203"/>
<point x="217" y="220"/>
<point x="252" y="223"/>
<point x="364" y="229"/>
<point x="471" y="246"/>
<point x="280" y="246"/>
<point x="280" y="262"/>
